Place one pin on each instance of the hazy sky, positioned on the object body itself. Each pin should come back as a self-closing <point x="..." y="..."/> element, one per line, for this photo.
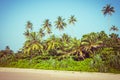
<point x="15" y="13"/>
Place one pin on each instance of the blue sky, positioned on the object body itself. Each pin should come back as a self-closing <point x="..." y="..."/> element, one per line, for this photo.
<point x="15" y="13"/>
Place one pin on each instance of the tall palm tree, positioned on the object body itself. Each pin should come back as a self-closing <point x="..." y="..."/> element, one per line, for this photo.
<point x="114" y="28"/>
<point x="47" y="26"/>
<point x="60" y="24"/>
<point x="108" y="10"/>
<point x="29" y="25"/>
<point x="72" y="19"/>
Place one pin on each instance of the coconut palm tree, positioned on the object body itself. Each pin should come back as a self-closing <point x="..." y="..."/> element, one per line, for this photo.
<point x="72" y="19"/>
<point x="29" y="25"/>
<point x="102" y="36"/>
<point x="47" y="26"/>
<point x="114" y="28"/>
<point x="53" y="43"/>
<point x="91" y="41"/>
<point x="114" y="36"/>
<point x="8" y="51"/>
<point x="26" y="33"/>
<point x="113" y="41"/>
<point x="65" y="41"/>
<point x="60" y="24"/>
<point x="76" y="49"/>
<point x="32" y="45"/>
<point x="65" y="38"/>
<point x="108" y="10"/>
<point x="6" y="55"/>
<point x="41" y="33"/>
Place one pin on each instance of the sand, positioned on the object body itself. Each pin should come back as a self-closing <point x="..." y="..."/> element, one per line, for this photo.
<point x="36" y="74"/>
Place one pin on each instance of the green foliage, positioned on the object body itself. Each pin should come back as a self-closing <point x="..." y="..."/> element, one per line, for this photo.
<point x="52" y="64"/>
<point x="97" y="64"/>
<point x="106" y="60"/>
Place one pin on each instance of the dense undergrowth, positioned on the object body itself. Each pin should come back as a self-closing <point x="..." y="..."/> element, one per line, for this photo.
<point x="53" y="64"/>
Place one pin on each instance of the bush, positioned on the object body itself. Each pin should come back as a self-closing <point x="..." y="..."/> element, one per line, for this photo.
<point x="106" y="60"/>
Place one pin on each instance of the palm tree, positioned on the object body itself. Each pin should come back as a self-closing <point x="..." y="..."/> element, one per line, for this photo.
<point x="76" y="49"/>
<point x="113" y="41"/>
<point x="114" y="28"/>
<point x="29" y="25"/>
<point x="33" y="45"/>
<point x="26" y="33"/>
<point x="108" y="10"/>
<point x="91" y="41"/>
<point x="47" y="25"/>
<point x="72" y="19"/>
<point x="114" y="36"/>
<point x="53" y="43"/>
<point x="41" y="33"/>
<point x="60" y="24"/>
<point x="102" y="36"/>
<point x="6" y="55"/>
<point x="8" y="51"/>
<point x="65" y="38"/>
<point x="65" y="41"/>
<point x="73" y="48"/>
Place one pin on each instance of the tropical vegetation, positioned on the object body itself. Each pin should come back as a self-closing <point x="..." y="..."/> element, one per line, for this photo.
<point x="95" y="51"/>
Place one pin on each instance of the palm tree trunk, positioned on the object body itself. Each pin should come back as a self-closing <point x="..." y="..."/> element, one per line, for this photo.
<point x="109" y="23"/>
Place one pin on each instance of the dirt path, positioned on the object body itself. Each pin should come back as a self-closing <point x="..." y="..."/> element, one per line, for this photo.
<point x="33" y="74"/>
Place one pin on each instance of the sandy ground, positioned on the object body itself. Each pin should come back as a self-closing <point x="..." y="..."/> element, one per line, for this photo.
<point x="35" y="74"/>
